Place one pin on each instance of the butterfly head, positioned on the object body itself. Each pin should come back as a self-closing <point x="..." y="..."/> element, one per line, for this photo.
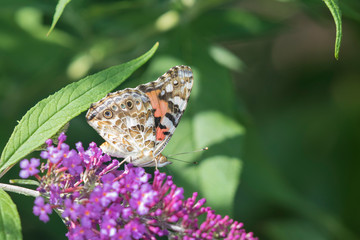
<point x="161" y="160"/>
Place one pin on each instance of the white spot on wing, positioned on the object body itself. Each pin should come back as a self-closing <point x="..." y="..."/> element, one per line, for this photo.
<point x="188" y="85"/>
<point x="144" y="98"/>
<point x="166" y="122"/>
<point x="181" y="103"/>
<point x="188" y="74"/>
<point x="100" y="108"/>
<point x="131" y="121"/>
<point x="169" y="88"/>
<point x="150" y="137"/>
<point x="118" y="99"/>
<point x="108" y="102"/>
<point x="150" y="122"/>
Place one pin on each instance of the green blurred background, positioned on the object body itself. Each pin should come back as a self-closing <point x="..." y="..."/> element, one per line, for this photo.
<point x="279" y="114"/>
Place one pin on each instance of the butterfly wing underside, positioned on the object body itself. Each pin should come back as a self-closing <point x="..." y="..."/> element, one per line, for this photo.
<point x="168" y="95"/>
<point x="125" y="120"/>
<point x="137" y="123"/>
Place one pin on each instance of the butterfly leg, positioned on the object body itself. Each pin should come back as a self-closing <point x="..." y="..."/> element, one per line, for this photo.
<point x="127" y="159"/>
<point x="123" y="161"/>
<point x="156" y="168"/>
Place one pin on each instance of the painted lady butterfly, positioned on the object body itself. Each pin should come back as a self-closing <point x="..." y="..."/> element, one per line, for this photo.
<point x="137" y="123"/>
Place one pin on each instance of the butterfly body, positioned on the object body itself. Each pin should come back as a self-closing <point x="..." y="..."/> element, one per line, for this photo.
<point x="137" y="123"/>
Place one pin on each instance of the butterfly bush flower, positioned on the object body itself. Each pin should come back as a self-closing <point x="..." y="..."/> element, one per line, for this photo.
<point x="42" y="209"/>
<point x="98" y="201"/>
<point x="29" y="168"/>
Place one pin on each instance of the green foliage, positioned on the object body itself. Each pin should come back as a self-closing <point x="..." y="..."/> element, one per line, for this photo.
<point x="336" y="13"/>
<point x="49" y="115"/>
<point x="10" y="227"/>
<point x="58" y="11"/>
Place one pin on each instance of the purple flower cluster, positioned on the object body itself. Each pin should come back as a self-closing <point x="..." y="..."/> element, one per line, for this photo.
<point x="98" y="201"/>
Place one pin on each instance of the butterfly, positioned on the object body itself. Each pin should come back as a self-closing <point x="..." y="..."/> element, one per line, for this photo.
<point x="137" y="123"/>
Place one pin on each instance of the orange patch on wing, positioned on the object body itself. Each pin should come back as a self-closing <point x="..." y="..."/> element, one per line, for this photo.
<point x="160" y="106"/>
<point x="160" y="133"/>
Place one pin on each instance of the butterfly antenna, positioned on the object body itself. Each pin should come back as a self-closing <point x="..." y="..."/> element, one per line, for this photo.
<point x="180" y="160"/>
<point x="200" y="150"/>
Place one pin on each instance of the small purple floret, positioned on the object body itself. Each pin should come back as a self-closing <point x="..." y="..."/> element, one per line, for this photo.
<point x="29" y="168"/>
<point x="42" y="209"/>
<point x="74" y="163"/>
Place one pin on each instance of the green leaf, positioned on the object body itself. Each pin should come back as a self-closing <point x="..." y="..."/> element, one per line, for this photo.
<point x="10" y="227"/>
<point x="225" y="167"/>
<point x="58" y="11"/>
<point x="204" y="133"/>
<point x="226" y="58"/>
<point x="44" y="120"/>
<point x="336" y="13"/>
<point x="228" y="178"/>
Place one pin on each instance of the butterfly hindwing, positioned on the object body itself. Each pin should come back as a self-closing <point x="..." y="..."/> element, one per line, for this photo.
<point x="125" y="120"/>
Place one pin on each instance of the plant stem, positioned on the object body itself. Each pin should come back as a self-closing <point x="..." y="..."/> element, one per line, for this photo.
<point x="20" y="190"/>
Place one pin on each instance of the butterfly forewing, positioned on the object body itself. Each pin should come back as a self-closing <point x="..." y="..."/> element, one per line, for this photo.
<point x="168" y="95"/>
